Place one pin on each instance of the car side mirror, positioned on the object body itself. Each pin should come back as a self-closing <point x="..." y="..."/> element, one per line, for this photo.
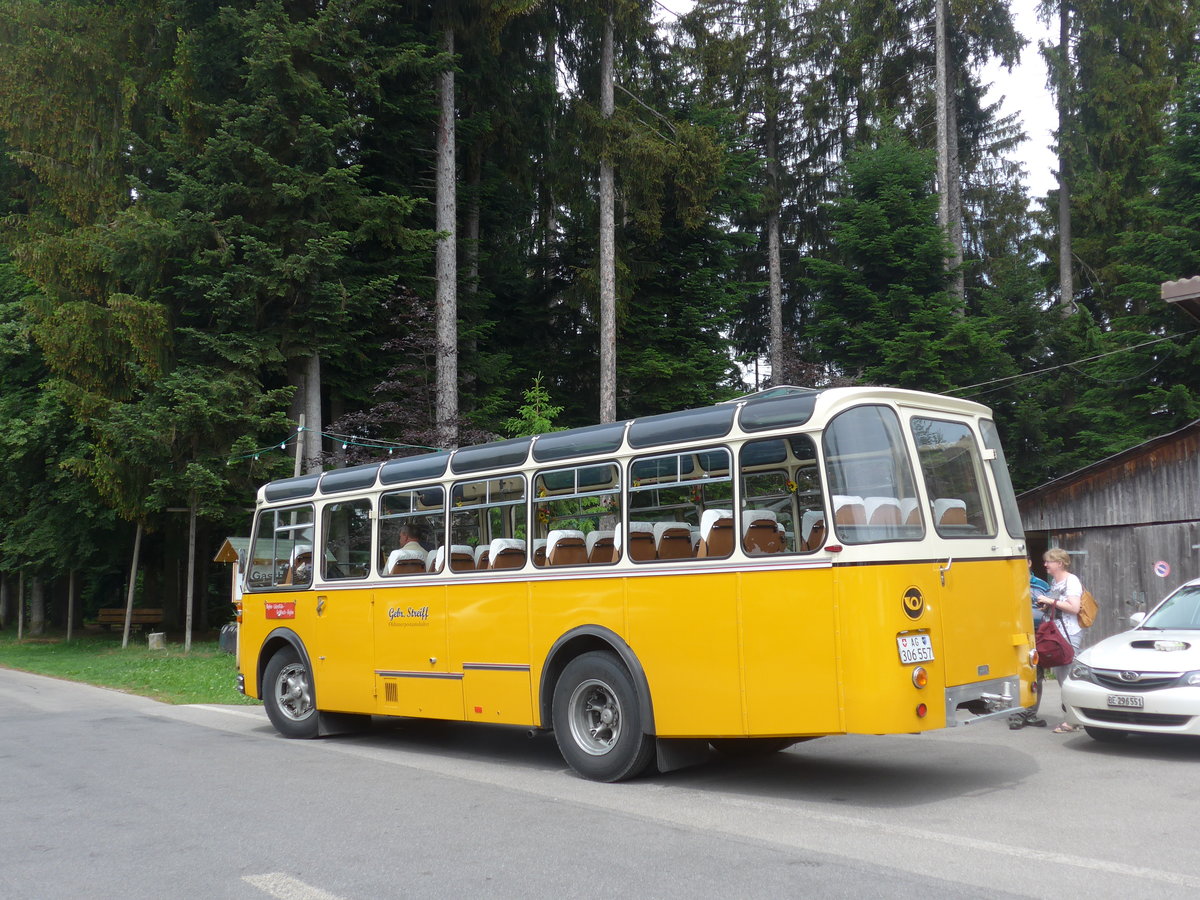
<point x="1136" y="619"/>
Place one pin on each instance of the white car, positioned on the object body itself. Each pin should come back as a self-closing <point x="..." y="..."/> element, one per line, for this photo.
<point x="1146" y="680"/>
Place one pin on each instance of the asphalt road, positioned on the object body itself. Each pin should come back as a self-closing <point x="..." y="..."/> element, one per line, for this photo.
<point x="105" y="795"/>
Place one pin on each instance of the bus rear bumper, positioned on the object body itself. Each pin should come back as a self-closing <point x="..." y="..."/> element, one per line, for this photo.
<point x="982" y="700"/>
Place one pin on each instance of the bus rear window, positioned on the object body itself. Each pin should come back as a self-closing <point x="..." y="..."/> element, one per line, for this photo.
<point x="873" y="495"/>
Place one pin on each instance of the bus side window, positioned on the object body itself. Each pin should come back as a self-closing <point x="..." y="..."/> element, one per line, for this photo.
<point x="487" y="523"/>
<point x="783" y="506"/>
<point x="412" y="531"/>
<point x="954" y="481"/>
<point x="576" y="515"/>
<point x="688" y="492"/>
<point x="346" y="528"/>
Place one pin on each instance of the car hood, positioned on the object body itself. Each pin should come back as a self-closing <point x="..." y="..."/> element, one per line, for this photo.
<point x="1135" y="650"/>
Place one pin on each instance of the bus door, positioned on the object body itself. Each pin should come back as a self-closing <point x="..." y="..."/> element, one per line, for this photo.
<point x="411" y="660"/>
<point x="342" y="644"/>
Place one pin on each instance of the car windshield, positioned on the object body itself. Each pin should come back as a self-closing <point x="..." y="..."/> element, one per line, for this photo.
<point x="1180" y="610"/>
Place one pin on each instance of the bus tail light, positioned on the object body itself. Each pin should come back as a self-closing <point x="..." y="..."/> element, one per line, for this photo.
<point x="1033" y="656"/>
<point x="922" y="709"/>
<point x="920" y="676"/>
<point x="237" y="612"/>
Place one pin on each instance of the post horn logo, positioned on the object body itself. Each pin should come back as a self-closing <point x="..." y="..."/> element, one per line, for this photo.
<point x="914" y="603"/>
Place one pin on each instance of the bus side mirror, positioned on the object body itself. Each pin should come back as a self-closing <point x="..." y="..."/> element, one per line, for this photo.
<point x="1136" y="619"/>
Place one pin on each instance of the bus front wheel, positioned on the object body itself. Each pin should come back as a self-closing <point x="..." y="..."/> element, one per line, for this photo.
<point x="288" y="695"/>
<point x="596" y="719"/>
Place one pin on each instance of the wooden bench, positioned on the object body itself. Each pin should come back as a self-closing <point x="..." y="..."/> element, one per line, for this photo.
<point x="116" y="616"/>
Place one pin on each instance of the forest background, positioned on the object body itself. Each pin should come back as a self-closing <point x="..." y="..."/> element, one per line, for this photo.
<point x="393" y="218"/>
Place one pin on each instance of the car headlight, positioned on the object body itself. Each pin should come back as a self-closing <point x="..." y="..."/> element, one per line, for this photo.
<point x="1080" y="672"/>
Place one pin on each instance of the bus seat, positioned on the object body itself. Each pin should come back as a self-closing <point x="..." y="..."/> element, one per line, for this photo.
<point x="539" y="551"/>
<point x="600" y="546"/>
<point x="882" y="510"/>
<point x="405" y="562"/>
<point x="950" y="511"/>
<point x="694" y="536"/>
<point x="672" y="540"/>
<point x="716" y="533"/>
<point x="462" y="558"/>
<point x="435" y="559"/>
<point x="506" y="553"/>
<point x="910" y="512"/>
<point x="848" y="510"/>
<point x="641" y="541"/>
<point x="566" y="548"/>
<point x="481" y="556"/>
<point x="812" y="529"/>
<point x="760" y="531"/>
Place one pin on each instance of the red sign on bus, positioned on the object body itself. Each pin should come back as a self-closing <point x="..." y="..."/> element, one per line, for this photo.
<point x="284" y="610"/>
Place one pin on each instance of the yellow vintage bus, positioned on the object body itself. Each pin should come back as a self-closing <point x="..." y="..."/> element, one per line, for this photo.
<point x="793" y="564"/>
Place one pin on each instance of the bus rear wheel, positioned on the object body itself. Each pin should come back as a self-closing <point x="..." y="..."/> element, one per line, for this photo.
<point x="288" y="695"/>
<point x="597" y="722"/>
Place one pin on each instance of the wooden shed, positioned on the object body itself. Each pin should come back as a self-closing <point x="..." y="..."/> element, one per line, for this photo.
<point x="1131" y="523"/>
<point x="229" y="553"/>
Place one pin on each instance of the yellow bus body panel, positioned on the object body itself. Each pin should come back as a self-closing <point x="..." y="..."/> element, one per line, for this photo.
<point x="559" y="607"/>
<point x="340" y="648"/>
<point x="411" y="651"/>
<point x="874" y="609"/>
<point x="684" y="630"/>
<point x="790" y="652"/>
<point x="489" y="644"/>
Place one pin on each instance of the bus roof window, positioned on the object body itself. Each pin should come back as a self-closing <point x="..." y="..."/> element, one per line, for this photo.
<point x="490" y="456"/>
<point x="579" y="442"/>
<point x="689" y="425"/>
<point x="414" y="468"/>
<point x="777" y="412"/>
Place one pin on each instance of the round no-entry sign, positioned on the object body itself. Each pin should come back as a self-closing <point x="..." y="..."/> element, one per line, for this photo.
<point x="1162" y="568"/>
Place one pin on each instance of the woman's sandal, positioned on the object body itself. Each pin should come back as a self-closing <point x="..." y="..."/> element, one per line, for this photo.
<point x="1065" y="728"/>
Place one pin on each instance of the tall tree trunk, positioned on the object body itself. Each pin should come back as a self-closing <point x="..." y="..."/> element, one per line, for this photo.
<point x="471" y="250"/>
<point x="4" y="614"/>
<point x="297" y="374"/>
<point x="21" y="606"/>
<point x="446" y="261"/>
<point x="37" y="607"/>
<point x="608" y="254"/>
<point x="549" y="215"/>
<point x="133" y="568"/>
<point x="1066" y="282"/>
<point x="774" y="252"/>
<point x="72" y="596"/>
<point x="312" y="413"/>
<point x="949" y="194"/>
<point x="191" y="576"/>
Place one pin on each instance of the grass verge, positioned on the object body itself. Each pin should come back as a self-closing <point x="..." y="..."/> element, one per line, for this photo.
<point x="204" y="675"/>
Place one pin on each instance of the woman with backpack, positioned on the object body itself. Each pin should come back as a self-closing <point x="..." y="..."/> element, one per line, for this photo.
<point x="1061" y="603"/>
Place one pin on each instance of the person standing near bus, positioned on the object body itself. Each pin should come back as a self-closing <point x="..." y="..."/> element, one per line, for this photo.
<point x="1029" y="716"/>
<point x="1062" y="603"/>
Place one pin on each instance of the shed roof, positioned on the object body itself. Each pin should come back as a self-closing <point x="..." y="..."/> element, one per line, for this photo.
<point x="229" y="550"/>
<point x="1108" y="462"/>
